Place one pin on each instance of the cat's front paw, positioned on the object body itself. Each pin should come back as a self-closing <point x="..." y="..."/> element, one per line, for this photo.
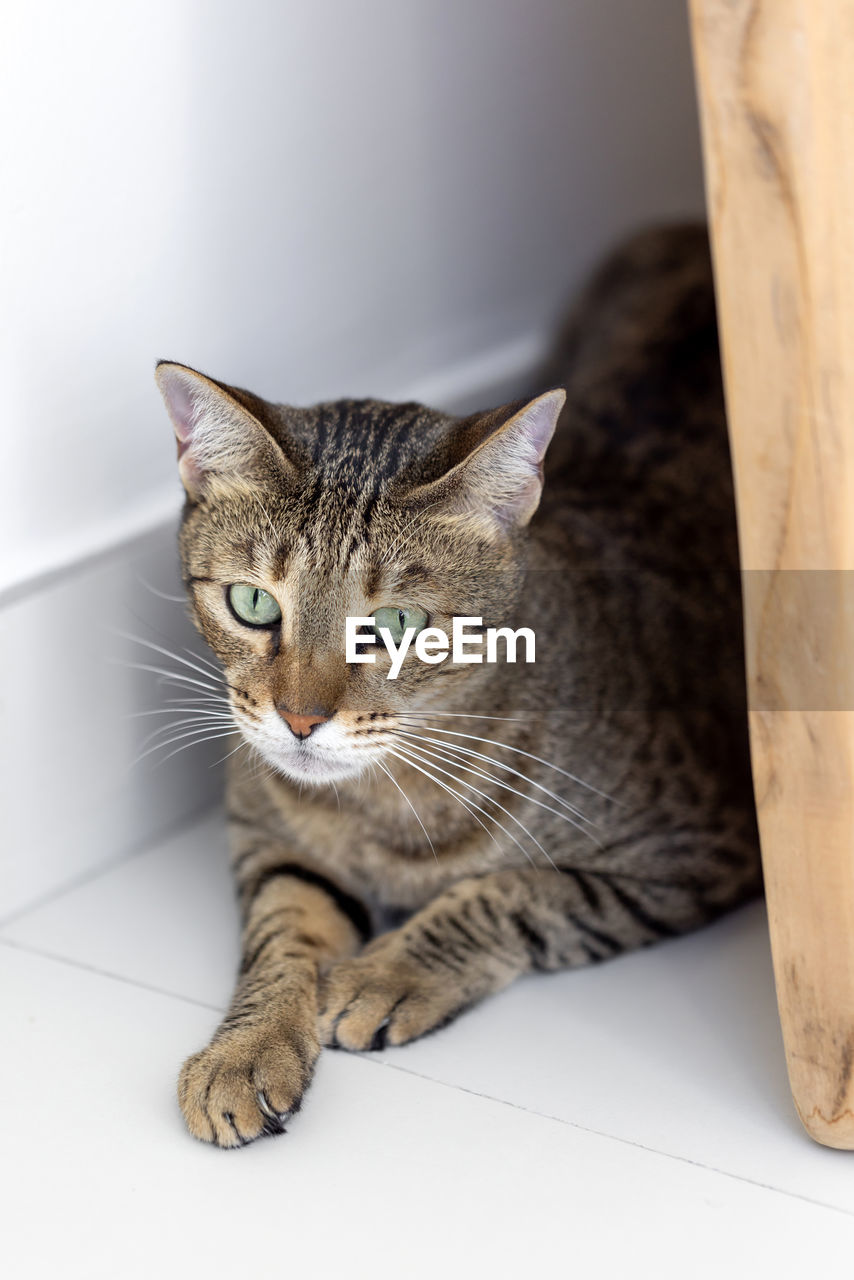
<point x="246" y="1083"/>
<point x="385" y="996"/>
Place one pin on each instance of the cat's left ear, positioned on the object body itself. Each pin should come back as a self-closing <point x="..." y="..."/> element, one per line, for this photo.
<point x="502" y="478"/>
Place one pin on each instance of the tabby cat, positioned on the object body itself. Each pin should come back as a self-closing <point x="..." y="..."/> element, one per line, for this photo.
<point x="403" y="848"/>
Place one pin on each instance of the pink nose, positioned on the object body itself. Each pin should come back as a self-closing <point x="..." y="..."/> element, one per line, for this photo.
<point x="300" y="726"/>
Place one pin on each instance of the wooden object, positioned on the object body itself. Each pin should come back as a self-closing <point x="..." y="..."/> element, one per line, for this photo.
<point x="776" y="88"/>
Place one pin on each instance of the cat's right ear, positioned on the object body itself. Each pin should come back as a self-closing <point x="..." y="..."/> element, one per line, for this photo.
<point x="220" y="442"/>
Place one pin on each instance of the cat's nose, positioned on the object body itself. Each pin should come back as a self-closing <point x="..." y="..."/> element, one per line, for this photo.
<point x="301" y="726"/>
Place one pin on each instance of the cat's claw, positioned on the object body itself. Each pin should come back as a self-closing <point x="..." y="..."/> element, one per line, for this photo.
<point x="380" y="1035"/>
<point x="243" y="1086"/>
<point x="276" y="1120"/>
<point x="384" y="998"/>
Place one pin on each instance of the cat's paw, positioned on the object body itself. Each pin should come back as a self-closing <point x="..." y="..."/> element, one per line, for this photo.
<point x="246" y="1083"/>
<point x="384" y="996"/>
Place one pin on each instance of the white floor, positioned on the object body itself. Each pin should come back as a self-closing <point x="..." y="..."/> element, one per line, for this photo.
<point x="632" y="1119"/>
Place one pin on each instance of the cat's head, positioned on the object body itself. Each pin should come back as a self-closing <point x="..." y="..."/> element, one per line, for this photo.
<point x="297" y="519"/>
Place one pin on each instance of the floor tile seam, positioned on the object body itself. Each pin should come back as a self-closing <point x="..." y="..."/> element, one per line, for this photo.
<point x="615" y="1137"/>
<point x="446" y="1084"/>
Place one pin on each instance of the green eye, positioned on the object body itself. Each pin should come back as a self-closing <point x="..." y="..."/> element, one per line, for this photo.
<point x="397" y="620"/>
<point x="253" y="606"/>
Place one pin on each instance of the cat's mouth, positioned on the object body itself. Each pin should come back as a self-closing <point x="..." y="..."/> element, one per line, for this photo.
<point x="324" y="756"/>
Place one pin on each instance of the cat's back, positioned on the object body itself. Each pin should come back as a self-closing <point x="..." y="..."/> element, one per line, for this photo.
<point x="640" y="463"/>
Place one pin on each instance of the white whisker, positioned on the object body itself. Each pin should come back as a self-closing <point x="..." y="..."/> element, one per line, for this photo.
<point x="228" y="754"/>
<point x="467" y="715"/>
<point x="505" y="786"/>
<point x="209" y="662"/>
<point x="190" y="723"/>
<point x="163" y="595"/>
<point x="530" y="756"/>
<point x="187" y="745"/>
<point x="394" y="781"/>
<point x="201" y="720"/>
<point x="490" y="799"/>
<point x="201" y="699"/>
<point x="177" y="677"/>
<point x="170" y="710"/>
<point x="168" y="653"/>
<point x="478" y="755"/>
<point x="197" y="735"/>
<point x="469" y="805"/>
<point x="261" y="767"/>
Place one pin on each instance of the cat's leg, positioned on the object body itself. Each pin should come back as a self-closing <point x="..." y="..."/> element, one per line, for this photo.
<point x="483" y="932"/>
<point x="252" y="1075"/>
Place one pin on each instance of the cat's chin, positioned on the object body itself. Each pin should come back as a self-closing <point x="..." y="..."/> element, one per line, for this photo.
<point x="313" y="769"/>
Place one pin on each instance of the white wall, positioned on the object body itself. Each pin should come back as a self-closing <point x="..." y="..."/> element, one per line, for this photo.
<point x="309" y="197"/>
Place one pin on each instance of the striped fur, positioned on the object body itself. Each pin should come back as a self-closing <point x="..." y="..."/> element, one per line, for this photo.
<point x="503" y="818"/>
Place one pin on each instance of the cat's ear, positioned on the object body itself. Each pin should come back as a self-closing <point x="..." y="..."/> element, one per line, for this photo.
<point x="219" y="441"/>
<point x="502" y="478"/>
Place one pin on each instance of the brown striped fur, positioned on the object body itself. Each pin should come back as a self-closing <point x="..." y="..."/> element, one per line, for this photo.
<point x="496" y="863"/>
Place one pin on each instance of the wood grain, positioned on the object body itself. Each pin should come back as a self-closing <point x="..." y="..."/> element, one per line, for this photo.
<point x="776" y="87"/>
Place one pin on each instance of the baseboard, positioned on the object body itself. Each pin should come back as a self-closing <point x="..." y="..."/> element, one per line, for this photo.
<point x="483" y="380"/>
<point x="77" y="791"/>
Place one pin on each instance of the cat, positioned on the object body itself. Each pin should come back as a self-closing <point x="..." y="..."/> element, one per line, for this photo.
<point x="503" y="817"/>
